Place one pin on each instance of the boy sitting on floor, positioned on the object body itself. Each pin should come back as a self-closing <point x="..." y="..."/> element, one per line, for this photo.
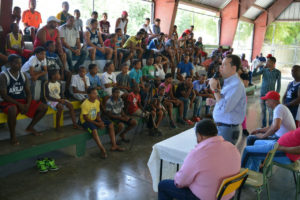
<point x="55" y="98"/>
<point x="90" y="119"/>
<point x="80" y="84"/>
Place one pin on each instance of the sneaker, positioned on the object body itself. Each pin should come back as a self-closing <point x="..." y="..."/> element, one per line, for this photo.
<point x="196" y="119"/>
<point x="157" y="132"/>
<point x="181" y="121"/>
<point x="50" y="163"/>
<point x="151" y="132"/>
<point x="189" y="122"/>
<point x="41" y="165"/>
<point x="172" y="124"/>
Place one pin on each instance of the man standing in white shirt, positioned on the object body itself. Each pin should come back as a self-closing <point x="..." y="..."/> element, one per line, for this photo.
<point x="146" y="26"/>
<point x="283" y="120"/>
<point x="70" y="40"/>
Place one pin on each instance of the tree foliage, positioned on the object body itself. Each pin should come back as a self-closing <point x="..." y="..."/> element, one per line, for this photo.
<point x="286" y="33"/>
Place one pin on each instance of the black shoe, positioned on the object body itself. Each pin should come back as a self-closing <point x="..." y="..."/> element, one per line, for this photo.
<point x="172" y="124"/>
<point x="157" y="132"/>
<point x="245" y="132"/>
<point x="151" y="132"/>
<point x="181" y="121"/>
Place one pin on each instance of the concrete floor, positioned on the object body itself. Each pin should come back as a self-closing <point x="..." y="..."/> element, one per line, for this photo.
<point x="123" y="176"/>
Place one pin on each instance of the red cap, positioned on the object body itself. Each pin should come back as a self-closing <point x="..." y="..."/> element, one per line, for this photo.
<point x="269" y="55"/>
<point x="272" y="95"/>
<point x="125" y="13"/>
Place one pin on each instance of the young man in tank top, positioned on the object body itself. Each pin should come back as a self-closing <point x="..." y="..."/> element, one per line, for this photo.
<point x="122" y="22"/>
<point x="94" y="40"/>
<point x="17" y="98"/>
<point x="50" y="32"/>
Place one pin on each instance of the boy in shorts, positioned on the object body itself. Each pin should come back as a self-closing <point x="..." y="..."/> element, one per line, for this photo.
<point x="90" y="120"/>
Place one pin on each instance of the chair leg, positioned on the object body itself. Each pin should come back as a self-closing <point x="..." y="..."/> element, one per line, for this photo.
<point x="258" y="191"/>
<point x="268" y="190"/>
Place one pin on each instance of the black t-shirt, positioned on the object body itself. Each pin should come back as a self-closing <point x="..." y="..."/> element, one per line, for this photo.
<point x="181" y="87"/>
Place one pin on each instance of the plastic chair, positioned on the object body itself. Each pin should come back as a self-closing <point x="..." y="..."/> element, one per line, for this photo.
<point x="295" y="168"/>
<point x="259" y="180"/>
<point x="232" y="184"/>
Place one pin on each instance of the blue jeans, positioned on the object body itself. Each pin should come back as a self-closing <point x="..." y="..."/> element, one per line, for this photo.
<point x="168" y="191"/>
<point x="197" y="106"/>
<point x="264" y="113"/>
<point x="80" y="59"/>
<point x="250" y="77"/>
<point x="230" y="134"/>
<point x="251" y="139"/>
<point x="254" y="155"/>
<point x="186" y="103"/>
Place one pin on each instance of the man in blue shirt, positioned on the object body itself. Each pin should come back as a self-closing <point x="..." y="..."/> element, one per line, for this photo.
<point x="230" y="108"/>
<point x="185" y="68"/>
<point x="271" y="76"/>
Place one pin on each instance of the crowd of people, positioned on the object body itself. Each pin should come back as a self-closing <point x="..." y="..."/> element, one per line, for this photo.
<point x="117" y="102"/>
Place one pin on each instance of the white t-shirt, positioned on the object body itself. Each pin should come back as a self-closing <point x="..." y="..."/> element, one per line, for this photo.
<point x="108" y="78"/>
<point x="78" y="83"/>
<point x="78" y="24"/>
<point x="35" y="63"/>
<point x="146" y="28"/>
<point x="287" y="121"/>
<point x="70" y="35"/>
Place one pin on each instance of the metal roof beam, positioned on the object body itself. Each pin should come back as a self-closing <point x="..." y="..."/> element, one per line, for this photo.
<point x="199" y="5"/>
<point x="244" y="6"/>
<point x="276" y="9"/>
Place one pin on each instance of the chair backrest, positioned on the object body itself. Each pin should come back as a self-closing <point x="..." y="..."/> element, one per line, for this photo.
<point x="232" y="184"/>
<point x="268" y="162"/>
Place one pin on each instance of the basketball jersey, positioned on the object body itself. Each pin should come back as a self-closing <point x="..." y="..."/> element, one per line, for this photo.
<point x="15" y="43"/>
<point x="15" y="86"/>
<point x="94" y="37"/>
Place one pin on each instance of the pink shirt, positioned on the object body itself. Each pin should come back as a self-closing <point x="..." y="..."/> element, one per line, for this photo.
<point x="207" y="165"/>
<point x="167" y="89"/>
<point x="291" y="139"/>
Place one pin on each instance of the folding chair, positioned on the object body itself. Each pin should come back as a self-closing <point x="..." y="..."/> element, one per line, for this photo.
<point x="295" y="168"/>
<point x="258" y="180"/>
<point x="231" y="184"/>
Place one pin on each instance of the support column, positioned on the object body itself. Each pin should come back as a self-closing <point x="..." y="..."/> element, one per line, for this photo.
<point x="166" y="10"/>
<point x="229" y="22"/>
<point x="260" y="28"/>
<point x="5" y="16"/>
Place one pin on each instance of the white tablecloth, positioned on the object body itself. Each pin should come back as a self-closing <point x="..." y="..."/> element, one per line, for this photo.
<point x="173" y="150"/>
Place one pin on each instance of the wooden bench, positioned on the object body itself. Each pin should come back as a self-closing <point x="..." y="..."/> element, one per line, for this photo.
<point x="76" y="105"/>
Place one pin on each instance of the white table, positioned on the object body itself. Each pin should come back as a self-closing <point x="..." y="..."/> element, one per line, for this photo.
<point x="173" y="150"/>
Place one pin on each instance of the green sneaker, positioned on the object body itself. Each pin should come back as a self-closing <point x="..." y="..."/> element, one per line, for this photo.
<point x="41" y="165"/>
<point x="50" y="164"/>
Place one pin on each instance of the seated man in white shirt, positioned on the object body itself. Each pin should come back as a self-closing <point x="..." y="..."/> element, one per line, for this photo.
<point x="70" y="40"/>
<point x="36" y="68"/>
<point x="283" y="121"/>
<point x="108" y="78"/>
<point x="80" y="84"/>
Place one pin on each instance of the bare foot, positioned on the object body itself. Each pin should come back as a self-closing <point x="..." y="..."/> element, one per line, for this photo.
<point x="33" y="131"/>
<point x="76" y="126"/>
<point x="117" y="148"/>
<point x="14" y="142"/>
<point x="103" y="154"/>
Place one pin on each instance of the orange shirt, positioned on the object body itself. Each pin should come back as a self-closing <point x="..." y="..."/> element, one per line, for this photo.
<point x="32" y="19"/>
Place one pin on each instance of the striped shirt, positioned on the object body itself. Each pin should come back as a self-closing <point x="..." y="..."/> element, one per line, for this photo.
<point x="269" y="80"/>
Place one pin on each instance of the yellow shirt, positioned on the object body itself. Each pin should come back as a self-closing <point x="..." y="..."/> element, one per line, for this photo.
<point x="89" y="108"/>
<point x="132" y="40"/>
<point x="15" y="43"/>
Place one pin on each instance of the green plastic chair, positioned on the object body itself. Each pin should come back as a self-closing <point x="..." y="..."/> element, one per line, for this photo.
<point x="259" y="180"/>
<point x="295" y="168"/>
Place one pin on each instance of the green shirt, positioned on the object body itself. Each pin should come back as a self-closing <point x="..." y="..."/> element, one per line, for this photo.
<point x="148" y="71"/>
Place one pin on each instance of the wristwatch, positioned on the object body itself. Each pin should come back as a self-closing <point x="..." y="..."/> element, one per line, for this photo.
<point x="216" y="91"/>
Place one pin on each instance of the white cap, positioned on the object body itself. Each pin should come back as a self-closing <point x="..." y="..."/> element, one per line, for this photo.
<point x="52" y="18"/>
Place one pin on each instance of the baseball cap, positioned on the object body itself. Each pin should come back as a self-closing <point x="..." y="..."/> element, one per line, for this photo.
<point x="272" y="95"/>
<point x="125" y="13"/>
<point x="52" y="18"/>
<point x="269" y="55"/>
